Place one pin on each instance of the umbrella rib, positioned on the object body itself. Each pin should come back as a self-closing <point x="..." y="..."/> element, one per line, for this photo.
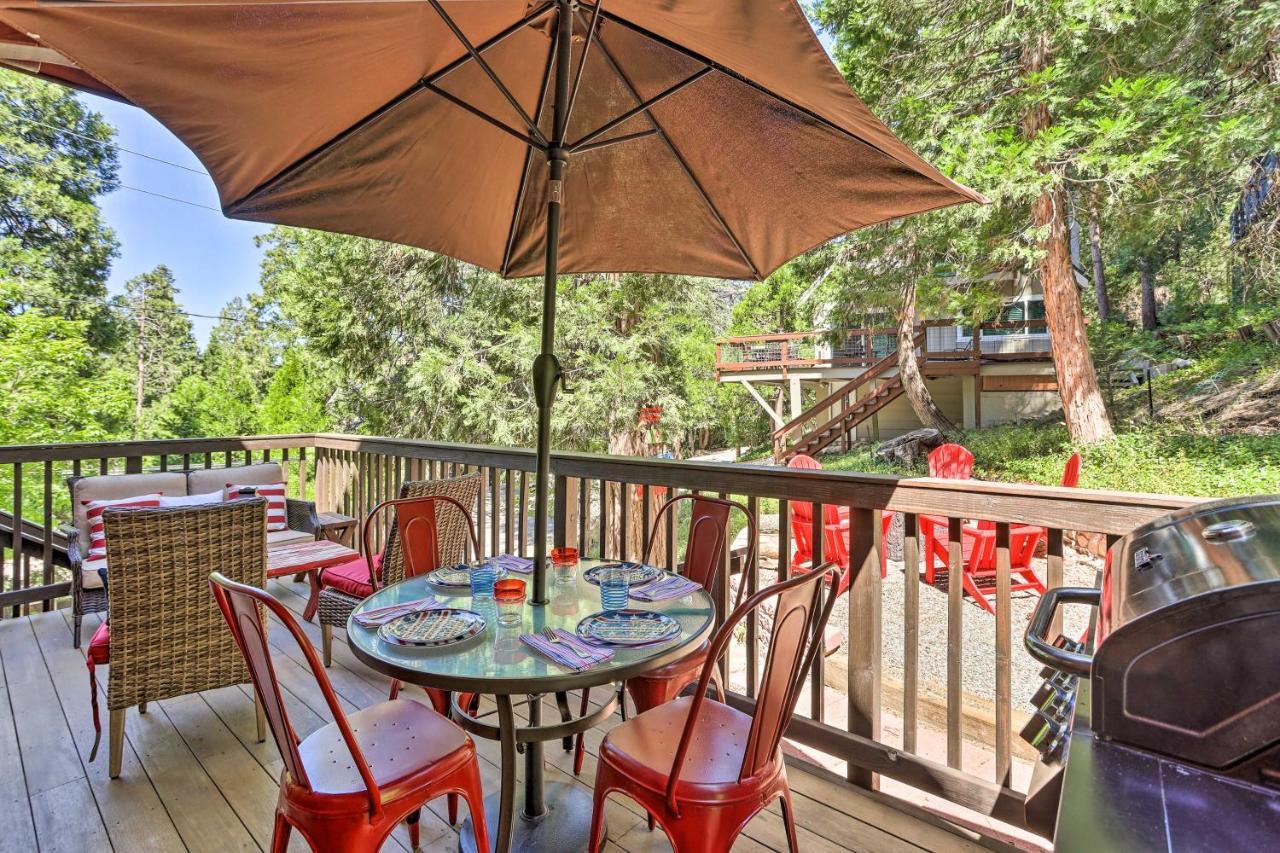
<point x="592" y="29"/>
<point x="684" y="165"/>
<point x="319" y="151"/>
<point x="489" y="72"/>
<point x="614" y="140"/>
<point x="640" y="108"/>
<point x="481" y="114"/>
<point x="528" y="161"/>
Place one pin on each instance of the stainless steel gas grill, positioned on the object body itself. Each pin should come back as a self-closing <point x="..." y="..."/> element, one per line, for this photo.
<point x="1170" y="730"/>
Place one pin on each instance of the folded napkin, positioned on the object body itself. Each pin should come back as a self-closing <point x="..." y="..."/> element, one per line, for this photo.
<point x="512" y="563"/>
<point x="664" y="589"/>
<point x="565" y="656"/>
<point x="383" y="615"/>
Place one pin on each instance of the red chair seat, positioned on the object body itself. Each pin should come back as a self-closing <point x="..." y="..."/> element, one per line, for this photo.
<point x="352" y="577"/>
<point x="100" y="645"/>
<point x="400" y="739"/>
<point x="643" y="748"/>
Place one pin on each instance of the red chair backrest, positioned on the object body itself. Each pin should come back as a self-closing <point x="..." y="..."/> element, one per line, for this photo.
<point x="417" y="531"/>
<point x="1071" y="473"/>
<point x="239" y="604"/>
<point x="794" y="641"/>
<point x="802" y="511"/>
<point x="951" y="462"/>
<point x="708" y="537"/>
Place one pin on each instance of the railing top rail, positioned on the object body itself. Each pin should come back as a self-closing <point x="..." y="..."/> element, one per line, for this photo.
<point x="873" y="330"/>
<point x="1048" y="506"/>
<point x="147" y="447"/>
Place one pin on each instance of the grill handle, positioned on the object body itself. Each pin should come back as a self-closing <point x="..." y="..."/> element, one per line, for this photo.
<point x="1038" y="644"/>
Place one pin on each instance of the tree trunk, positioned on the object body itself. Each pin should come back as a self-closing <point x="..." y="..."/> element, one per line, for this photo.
<point x="1099" y="271"/>
<point x="909" y="369"/>
<point x="1148" y="279"/>
<point x="1082" y="404"/>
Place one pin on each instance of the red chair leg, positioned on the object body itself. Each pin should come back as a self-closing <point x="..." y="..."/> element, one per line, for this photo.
<point x="452" y="802"/>
<point x="473" y="793"/>
<point x="971" y="587"/>
<point x="280" y="834"/>
<point x="789" y="821"/>
<point x="395" y="688"/>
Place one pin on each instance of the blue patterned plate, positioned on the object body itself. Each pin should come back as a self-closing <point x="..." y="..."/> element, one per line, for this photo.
<point x="429" y="628"/>
<point x="458" y="577"/>
<point x="637" y="573"/>
<point x="628" y="628"/>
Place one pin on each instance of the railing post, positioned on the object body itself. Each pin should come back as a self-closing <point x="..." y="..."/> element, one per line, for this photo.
<point x="863" y="689"/>
<point x="955" y="638"/>
<point x="560" y="518"/>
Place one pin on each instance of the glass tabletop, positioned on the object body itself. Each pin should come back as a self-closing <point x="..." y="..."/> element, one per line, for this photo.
<point x="496" y="661"/>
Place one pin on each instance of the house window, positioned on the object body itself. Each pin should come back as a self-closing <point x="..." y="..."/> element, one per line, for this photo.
<point x="1022" y="311"/>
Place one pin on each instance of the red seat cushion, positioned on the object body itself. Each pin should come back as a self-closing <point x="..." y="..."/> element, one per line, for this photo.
<point x="100" y="645"/>
<point x="352" y="577"/>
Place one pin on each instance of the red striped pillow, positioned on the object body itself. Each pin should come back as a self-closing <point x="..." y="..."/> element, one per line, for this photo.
<point x="277" y="517"/>
<point x="93" y="515"/>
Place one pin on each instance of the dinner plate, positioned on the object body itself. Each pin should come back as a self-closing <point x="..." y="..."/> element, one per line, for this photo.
<point x="637" y="573"/>
<point x="628" y="627"/>
<point x="430" y="628"/>
<point x="458" y="577"/>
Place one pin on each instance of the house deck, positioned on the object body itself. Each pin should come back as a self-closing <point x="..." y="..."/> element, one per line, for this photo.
<point x="195" y="779"/>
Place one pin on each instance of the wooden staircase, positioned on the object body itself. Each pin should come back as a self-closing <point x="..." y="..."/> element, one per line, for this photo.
<point x="849" y="416"/>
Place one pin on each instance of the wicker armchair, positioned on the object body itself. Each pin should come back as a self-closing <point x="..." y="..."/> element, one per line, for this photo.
<point x="452" y="534"/>
<point x="167" y="635"/>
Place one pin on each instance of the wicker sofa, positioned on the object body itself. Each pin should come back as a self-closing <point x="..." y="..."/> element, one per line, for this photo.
<point x="88" y="577"/>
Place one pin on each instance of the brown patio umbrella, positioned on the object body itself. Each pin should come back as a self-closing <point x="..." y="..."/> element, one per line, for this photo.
<point x="703" y="137"/>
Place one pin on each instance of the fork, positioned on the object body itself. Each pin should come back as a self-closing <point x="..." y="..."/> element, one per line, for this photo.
<point x="552" y="637"/>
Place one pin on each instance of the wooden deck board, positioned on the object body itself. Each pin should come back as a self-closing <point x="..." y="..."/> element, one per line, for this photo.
<point x="195" y="778"/>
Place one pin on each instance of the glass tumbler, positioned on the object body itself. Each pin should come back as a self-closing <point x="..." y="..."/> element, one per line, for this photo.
<point x="614" y="590"/>
<point x="509" y="595"/>
<point x="482" y="578"/>
<point x="563" y="562"/>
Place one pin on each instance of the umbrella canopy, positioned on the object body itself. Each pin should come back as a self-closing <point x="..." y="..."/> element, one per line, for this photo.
<point x="707" y="137"/>
<point x="354" y="117"/>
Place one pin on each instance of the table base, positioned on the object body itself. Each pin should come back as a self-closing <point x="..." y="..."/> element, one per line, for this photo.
<point x="563" y="829"/>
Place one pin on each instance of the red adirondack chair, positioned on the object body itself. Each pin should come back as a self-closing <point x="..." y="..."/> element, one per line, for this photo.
<point x="951" y="462"/>
<point x="835" y="522"/>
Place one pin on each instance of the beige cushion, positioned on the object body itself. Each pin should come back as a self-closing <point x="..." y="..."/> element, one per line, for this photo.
<point x="204" y="480"/>
<point x="89" y="577"/>
<point x="287" y="537"/>
<point x="116" y="486"/>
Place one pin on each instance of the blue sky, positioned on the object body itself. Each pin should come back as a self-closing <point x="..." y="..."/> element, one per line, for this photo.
<point x="213" y="258"/>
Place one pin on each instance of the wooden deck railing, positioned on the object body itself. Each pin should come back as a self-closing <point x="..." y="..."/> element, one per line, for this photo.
<point x="605" y="505"/>
<point x="786" y="351"/>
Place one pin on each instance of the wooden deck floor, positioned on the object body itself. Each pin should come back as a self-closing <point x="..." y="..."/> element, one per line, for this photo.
<point x="194" y="779"/>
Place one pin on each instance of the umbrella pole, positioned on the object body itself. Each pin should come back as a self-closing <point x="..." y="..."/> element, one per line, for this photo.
<point x="546" y="374"/>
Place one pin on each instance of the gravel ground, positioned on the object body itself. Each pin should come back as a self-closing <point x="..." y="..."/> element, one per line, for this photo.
<point x="978" y="631"/>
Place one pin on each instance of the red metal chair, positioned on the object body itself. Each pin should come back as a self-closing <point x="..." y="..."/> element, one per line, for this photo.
<point x="346" y="785"/>
<point x="835" y="524"/>
<point x="703" y="769"/>
<point x="703" y="558"/>
<point x="951" y="462"/>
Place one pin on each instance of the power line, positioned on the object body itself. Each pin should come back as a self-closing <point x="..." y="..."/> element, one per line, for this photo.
<point x="117" y="146"/>
<point x="10" y="168"/>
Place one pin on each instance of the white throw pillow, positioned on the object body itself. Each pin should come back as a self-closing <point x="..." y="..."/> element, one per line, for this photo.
<point x="191" y="500"/>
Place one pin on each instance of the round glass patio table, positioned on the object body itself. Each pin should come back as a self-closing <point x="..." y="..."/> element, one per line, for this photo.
<point x="497" y="663"/>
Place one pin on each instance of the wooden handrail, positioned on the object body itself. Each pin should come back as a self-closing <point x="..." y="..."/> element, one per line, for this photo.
<point x="874" y="372"/>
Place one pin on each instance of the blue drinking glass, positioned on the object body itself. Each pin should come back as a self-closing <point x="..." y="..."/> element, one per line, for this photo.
<point x="482" y="580"/>
<point x="614" y="591"/>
